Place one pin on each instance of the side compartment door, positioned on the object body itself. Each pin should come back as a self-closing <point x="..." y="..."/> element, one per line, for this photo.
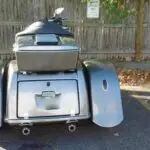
<point x="105" y="94"/>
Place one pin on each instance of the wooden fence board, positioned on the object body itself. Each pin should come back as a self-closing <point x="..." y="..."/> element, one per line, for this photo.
<point x="93" y="36"/>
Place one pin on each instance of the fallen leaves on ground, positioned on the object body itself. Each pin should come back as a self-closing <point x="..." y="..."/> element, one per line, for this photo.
<point x="133" y="77"/>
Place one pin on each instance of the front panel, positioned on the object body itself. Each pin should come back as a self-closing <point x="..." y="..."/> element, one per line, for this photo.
<point x="47" y="98"/>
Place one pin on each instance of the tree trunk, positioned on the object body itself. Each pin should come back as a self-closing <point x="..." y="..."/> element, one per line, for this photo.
<point x="139" y="30"/>
<point x="46" y="9"/>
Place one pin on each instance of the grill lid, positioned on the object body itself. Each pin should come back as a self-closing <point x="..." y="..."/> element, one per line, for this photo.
<point x="45" y="27"/>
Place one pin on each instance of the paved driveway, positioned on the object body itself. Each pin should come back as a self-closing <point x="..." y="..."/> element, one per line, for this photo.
<point x="132" y="134"/>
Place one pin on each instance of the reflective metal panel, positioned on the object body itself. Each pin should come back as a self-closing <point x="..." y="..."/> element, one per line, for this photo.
<point x="105" y="94"/>
<point x="47" y="98"/>
<point x="1" y="98"/>
<point x="47" y="58"/>
<point x="12" y="110"/>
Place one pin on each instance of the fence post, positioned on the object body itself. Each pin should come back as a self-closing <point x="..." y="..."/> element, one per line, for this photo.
<point x="46" y="9"/>
<point x="139" y="30"/>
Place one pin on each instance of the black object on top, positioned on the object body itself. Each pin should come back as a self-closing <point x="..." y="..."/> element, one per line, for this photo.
<point x="45" y="27"/>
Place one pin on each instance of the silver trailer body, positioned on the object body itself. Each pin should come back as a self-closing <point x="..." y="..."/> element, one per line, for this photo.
<point x="38" y="98"/>
<point x="45" y="84"/>
<point x="55" y="97"/>
<point x="46" y="58"/>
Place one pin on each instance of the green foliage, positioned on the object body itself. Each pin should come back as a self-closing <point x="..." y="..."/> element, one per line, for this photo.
<point x="114" y="11"/>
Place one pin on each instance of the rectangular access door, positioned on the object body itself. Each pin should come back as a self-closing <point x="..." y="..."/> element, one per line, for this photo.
<point x="47" y="98"/>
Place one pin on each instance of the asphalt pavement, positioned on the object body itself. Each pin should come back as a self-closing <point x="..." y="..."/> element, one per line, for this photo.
<point x="132" y="134"/>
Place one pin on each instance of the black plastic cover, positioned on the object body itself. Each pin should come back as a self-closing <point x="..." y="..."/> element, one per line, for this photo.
<point x="45" y="27"/>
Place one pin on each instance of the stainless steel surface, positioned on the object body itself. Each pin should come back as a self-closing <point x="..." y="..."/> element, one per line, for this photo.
<point x="44" y="120"/>
<point x="14" y="76"/>
<point x="11" y="98"/>
<point x="63" y="48"/>
<point x="31" y="101"/>
<point x="1" y="109"/>
<point x="105" y="94"/>
<point x="47" y="58"/>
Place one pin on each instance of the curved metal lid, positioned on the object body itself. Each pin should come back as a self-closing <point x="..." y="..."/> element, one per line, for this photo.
<point x="44" y="27"/>
<point x="64" y="48"/>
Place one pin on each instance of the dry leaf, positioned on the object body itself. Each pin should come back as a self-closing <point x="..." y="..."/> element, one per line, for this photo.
<point x="133" y="77"/>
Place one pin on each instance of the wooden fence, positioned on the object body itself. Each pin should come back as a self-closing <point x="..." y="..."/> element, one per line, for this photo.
<point x="96" y="38"/>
